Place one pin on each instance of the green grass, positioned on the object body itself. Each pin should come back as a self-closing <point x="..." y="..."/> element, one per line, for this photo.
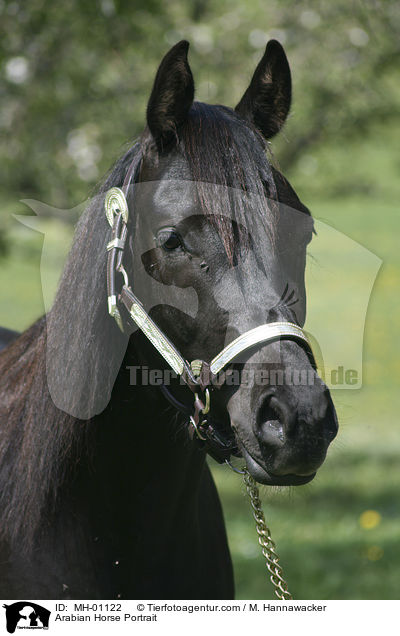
<point x="29" y="275"/>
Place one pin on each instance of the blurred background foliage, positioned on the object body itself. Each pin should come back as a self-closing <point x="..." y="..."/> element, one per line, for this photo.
<point x="76" y="77"/>
<point x="74" y="81"/>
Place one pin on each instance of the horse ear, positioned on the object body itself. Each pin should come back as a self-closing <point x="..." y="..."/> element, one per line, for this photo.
<point x="266" y="102"/>
<point x="171" y="97"/>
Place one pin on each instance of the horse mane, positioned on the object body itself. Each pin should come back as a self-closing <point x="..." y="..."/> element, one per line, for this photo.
<point x="37" y="438"/>
<point x="60" y="373"/>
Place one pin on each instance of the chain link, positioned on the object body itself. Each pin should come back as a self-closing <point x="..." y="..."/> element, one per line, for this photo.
<point x="265" y="540"/>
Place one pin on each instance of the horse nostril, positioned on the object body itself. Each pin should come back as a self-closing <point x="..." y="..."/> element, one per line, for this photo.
<point x="270" y="423"/>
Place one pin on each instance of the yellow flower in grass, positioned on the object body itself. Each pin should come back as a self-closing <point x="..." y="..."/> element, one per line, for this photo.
<point x="370" y="519"/>
<point x="374" y="553"/>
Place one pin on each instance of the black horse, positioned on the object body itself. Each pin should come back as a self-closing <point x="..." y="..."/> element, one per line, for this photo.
<point x="103" y="493"/>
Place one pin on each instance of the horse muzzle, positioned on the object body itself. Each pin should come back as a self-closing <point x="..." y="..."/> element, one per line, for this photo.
<point x="291" y="429"/>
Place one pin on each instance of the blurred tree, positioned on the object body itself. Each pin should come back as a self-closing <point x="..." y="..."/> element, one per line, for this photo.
<point x="75" y="76"/>
<point x="72" y="90"/>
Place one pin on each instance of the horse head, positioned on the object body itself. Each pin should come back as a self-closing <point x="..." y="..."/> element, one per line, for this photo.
<point x="221" y="236"/>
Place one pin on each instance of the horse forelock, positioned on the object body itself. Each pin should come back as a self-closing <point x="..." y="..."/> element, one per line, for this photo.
<point x="226" y="157"/>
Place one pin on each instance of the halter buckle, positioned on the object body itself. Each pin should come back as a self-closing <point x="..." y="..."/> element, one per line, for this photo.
<point x="197" y="428"/>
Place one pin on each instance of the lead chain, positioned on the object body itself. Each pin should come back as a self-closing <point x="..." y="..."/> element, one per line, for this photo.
<point x="265" y="541"/>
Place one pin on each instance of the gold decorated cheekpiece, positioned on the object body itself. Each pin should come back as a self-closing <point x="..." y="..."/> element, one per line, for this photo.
<point x="115" y="203"/>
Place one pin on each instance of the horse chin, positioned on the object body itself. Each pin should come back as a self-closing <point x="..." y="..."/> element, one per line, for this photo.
<point x="262" y="476"/>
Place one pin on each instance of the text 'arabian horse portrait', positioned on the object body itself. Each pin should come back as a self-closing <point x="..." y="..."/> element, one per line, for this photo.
<point x="176" y="332"/>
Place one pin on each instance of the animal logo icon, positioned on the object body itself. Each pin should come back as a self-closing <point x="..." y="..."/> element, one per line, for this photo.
<point x="26" y="614"/>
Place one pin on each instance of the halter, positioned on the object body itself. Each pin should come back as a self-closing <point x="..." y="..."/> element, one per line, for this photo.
<point x="199" y="376"/>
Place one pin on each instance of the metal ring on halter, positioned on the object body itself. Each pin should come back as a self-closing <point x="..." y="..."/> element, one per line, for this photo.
<point x="121" y="269"/>
<point x="206" y="409"/>
<point x="115" y="203"/>
<point x="196" y="429"/>
<point x="235" y="470"/>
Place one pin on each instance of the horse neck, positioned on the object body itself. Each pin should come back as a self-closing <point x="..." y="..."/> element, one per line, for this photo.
<point x="142" y="450"/>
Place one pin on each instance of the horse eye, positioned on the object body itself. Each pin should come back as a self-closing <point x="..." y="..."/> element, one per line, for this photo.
<point x="169" y="240"/>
